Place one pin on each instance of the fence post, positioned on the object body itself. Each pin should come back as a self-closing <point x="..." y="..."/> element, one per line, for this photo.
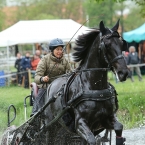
<point x="29" y="77"/>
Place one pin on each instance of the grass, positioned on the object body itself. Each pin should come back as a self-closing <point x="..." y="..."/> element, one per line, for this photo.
<point x="12" y="95"/>
<point x="130" y="95"/>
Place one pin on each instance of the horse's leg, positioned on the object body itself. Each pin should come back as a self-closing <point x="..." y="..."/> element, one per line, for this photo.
<point x="83" y="142"/>
<point x="83" y="130"/>
<point x="118" y="127"/>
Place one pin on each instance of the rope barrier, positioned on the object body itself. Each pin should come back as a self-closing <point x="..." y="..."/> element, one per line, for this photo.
<point x="134" y="65"/>
<point x="9" y="75"/>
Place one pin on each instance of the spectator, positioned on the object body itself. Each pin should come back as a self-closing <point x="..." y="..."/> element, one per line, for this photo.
<point x="38" y="53"/>
<point x="34" y="64"/>
<point x="25" y="66"/>
<point x="126" y="60"/>
<point x="133" y="59"/>
<point x="45" y="52"/>
<point x="126" y="56"/>
<point x="18" y="67"/>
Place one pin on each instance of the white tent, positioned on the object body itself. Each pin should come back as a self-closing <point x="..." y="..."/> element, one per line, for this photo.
<point x="38" y="31"/>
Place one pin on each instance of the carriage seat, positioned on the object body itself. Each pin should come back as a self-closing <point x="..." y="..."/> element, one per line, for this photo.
<point x="34" y="90"/>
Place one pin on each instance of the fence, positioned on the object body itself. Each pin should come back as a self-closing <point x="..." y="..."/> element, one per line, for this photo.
<point x="7" y="77"/>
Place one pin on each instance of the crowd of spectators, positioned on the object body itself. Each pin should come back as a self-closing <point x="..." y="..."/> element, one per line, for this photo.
<point x="24" y="64"/>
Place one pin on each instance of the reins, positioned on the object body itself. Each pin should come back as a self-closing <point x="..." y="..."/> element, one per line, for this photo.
<point x="79" y="71"/>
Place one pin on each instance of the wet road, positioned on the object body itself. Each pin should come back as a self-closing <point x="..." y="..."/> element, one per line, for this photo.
<point x="133" y="136"/>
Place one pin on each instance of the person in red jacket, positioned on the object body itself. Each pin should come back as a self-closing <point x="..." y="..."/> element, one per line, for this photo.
<point x="34" y="64"/>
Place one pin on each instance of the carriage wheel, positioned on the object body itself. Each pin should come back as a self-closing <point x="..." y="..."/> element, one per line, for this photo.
<point x="8" y="135"/>
<point x="99" y="140"/>
<point x="18" y="138"/>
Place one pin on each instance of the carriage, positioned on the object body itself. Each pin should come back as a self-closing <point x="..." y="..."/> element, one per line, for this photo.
<point x="33" y="132"/>
<point x="81" y="104"/>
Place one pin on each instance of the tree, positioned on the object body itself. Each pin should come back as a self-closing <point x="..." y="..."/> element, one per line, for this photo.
<point x="99" y="11"/>
<point x="133" y="19"/>
<point x="2" y="14"/>
<point x="128" y="21"/>
<point x="141" y="3"/>
<point x="34" y="9"/>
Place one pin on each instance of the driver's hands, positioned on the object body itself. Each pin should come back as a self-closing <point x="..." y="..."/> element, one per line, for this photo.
<point x="45" y="79"/>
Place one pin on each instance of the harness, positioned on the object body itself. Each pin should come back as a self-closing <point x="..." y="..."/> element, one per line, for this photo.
<point x="89" y="95"/>
<point x="92" y="95"/>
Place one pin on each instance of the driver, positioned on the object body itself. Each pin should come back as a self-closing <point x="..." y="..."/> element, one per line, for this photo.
<point x="51" y="65"/>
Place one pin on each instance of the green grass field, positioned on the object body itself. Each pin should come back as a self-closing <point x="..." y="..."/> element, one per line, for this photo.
<point x="131" y="98"/>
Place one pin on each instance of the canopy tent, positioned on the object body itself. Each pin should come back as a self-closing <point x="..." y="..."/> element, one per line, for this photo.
<point x="39" y="31"/>
<point x="136" y="35"/>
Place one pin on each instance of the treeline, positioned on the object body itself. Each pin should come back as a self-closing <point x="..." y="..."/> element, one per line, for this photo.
<point x="78" y="10"/>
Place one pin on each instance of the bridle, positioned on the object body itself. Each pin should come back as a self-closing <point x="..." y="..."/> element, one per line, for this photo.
<point x="102" y="47"/>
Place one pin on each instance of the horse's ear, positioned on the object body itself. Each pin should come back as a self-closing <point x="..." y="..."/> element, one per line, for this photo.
<point x="115" y="28"/>
<point x="102" y="27"/>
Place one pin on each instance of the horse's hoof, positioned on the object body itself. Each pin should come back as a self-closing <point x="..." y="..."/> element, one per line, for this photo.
<point x="120" y="141"/>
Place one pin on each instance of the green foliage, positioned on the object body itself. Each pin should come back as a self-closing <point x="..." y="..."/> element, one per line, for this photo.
<point x="99" y="11"/>
<point x="112" y="0"/>
<point x="142" y="6"/>
<point x="2" y="14"/>
<point x="131" y="103"/>
<point x="106" y="11"/>
<point x="44" y="16"/>
<point x="131" y="20"/>
<point x="49" y="9"/>
<point x="2" y="3"/>
<point x="2" y="18"/>
<point x="141" y="3"/>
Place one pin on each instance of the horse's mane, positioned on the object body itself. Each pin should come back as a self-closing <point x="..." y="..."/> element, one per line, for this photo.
<point x="83" y="44"/>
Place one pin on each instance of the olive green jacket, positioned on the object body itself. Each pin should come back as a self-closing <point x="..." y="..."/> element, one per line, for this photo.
<point x="51" y="66"/>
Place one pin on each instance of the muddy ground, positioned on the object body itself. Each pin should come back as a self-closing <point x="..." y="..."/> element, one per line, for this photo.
<point x="133" y="136"/>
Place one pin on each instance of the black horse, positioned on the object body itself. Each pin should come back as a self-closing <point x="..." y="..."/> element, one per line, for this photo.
<point x="93" y="101"/>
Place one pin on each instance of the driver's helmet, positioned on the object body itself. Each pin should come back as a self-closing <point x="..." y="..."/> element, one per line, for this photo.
<point x="55" y="43"/>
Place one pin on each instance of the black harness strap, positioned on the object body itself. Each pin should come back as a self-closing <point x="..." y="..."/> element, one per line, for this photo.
<point x="93" y="95"/>
<point x="93" y="69"/>
<point x="116" y="58"/>
<point x="66" y="89"/>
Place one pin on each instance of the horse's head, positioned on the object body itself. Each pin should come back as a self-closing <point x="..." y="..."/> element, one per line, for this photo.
<point x="111" y="47"/>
